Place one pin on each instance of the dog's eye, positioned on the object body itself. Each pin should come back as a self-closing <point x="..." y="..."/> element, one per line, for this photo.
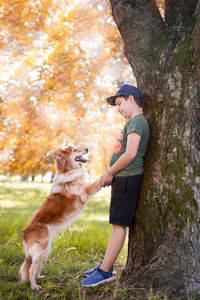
<point x="75" y="150"/>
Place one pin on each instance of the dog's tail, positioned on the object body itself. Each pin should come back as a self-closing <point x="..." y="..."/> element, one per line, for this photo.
<point x="24" y="270"/>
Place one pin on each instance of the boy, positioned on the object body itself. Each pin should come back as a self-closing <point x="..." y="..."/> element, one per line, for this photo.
<point x="125" y="174"/>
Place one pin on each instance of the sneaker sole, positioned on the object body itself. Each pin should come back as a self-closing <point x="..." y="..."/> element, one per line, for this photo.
<point x="98" y="283"/>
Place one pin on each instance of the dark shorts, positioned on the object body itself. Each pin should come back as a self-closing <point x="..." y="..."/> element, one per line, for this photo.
<point x="124" y="197"/>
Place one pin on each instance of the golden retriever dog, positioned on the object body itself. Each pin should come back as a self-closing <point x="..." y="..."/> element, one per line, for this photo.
<point x="70" y="192"/>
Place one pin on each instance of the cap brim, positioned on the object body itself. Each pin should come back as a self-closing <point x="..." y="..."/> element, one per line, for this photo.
<point x="111" y="100"/>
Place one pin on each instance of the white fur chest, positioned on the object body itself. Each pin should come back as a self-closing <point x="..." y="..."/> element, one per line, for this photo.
<point x="72" y="182"/>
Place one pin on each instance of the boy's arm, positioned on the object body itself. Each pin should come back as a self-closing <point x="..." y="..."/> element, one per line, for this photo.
<point x="133" y="141"/>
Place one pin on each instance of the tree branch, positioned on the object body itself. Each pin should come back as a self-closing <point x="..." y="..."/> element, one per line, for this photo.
<point x="143" y="30"/>
<point x="178" y="14"/>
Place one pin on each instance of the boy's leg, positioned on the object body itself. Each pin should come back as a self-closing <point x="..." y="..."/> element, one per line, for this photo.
<point x="115" y="245"/>
<point x="104" y="274"/>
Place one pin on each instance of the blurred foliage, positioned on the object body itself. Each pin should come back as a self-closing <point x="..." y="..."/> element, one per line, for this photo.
<point x="59" y="60"/>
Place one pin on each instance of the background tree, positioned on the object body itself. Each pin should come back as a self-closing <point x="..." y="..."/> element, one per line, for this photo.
<point x="58" y="62"/>
<point x="164" y="53"/>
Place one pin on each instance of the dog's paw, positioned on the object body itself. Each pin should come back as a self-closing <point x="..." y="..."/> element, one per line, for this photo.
<point x="36" y="287"/>
<point x="40" y="276"/>
<point x="99" y="183"/>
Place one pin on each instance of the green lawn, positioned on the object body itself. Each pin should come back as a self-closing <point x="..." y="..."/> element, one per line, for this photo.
<point x="74" y="250"/>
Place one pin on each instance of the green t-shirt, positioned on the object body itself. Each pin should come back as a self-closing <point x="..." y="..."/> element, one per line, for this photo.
<point x="139" y="125"/>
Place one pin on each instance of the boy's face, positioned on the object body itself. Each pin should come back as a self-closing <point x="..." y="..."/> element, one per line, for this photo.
<point x="125" y="107"/>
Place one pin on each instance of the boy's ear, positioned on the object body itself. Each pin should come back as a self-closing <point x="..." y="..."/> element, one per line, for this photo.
<point x="132" y="99"/>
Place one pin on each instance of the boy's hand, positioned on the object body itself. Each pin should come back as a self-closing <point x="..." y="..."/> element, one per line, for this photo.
<point x="106" y="179"/>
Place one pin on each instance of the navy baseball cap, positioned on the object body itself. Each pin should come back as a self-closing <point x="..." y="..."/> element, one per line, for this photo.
<point x="125" y="90"/>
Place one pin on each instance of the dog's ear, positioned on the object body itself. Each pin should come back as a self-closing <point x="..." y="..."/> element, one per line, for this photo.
<point x="69" y="149"/>
<point x="53" y="154"/>
<point x="62" y="158"/>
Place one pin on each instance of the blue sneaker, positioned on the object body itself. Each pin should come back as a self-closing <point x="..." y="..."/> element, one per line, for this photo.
<point x="91" y="271"/>
<point x="98" y="277"/>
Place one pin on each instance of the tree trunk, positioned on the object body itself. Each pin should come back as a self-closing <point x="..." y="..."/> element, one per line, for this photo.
<point x="23" y="178"/>
<point x="164" y="244"/>
<point x="52" y="177"/>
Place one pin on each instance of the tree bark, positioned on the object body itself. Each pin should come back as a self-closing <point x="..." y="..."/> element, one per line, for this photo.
<point x="178" y="15"/>
<point x="164" y="244"/>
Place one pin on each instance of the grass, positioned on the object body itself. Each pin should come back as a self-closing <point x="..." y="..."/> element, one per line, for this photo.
<point x="74" y="250"/>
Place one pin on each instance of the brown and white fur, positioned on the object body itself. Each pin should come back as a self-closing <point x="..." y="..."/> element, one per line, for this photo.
<point x="70" y="192"/>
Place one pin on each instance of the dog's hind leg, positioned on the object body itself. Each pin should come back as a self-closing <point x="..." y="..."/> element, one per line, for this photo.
<point x="40" y="253"/>
<point x="24" y="270"/>
<point x="35" y="266"/>
<point x="38" y="272"/>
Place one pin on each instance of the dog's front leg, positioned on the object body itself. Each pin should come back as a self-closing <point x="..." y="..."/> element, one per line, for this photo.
<point x="93" y="188"/>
